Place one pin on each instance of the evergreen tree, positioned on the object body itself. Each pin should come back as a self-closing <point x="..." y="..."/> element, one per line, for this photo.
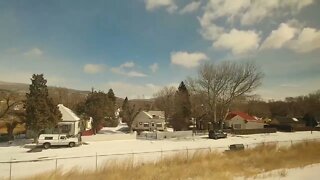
<point x="41" y="112"/>
<point x="111" y="104"/>
<point x="310" y="120"/>
<point x="182" y="109"/>
<point x="129" y="113"/>
<point x="125" y="107"/>
<point x="96" y="106"/>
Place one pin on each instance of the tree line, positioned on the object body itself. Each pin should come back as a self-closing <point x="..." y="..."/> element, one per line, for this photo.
<point x="208" y="97"/>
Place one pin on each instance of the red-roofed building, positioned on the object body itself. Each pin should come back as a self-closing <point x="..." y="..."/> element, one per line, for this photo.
<point x="241" y="120"/>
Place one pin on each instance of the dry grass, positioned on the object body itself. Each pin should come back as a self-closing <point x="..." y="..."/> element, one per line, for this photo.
<point x="201" y="165"/>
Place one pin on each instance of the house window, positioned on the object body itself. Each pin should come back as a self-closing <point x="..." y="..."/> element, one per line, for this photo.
<point x="65" y="128"/>
<point x="237" y="126"/>
<point x="152" y="124"/>
<point x="146" y="125"/>
<point x="48" y="138"/>
<point x="159" y="125"/>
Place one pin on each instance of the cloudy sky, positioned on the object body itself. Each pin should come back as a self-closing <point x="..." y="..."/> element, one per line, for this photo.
<point x="137" y="47"/>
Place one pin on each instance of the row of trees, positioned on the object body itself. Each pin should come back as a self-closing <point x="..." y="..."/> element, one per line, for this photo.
<point x="41" y="112"/>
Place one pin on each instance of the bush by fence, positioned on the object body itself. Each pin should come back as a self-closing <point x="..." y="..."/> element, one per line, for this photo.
<point x="242" y="131"/>
<point x="306" y="129"/>
<point x="165" y="135"/>
<point x="253" y="131"/>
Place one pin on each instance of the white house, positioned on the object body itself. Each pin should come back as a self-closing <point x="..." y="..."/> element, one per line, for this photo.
<point x="70" y="123"/>
<point x="149" y="121"/>
<point x="241" y="120"/>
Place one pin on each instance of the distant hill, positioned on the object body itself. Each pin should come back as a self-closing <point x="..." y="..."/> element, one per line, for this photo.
<point x="15" y="87"/>
<point x="22" y="89"/>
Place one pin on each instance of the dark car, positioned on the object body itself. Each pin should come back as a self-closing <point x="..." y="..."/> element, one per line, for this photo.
<point x="216" y="134"/>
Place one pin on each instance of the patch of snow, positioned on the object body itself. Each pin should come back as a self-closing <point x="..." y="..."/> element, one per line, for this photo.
<point x="295" y="119"/>
<point x="310" y="172"/>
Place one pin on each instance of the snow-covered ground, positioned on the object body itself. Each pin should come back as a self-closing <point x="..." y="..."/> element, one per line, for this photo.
<point x="310" y="172"/>
<point x="129" y="147"/>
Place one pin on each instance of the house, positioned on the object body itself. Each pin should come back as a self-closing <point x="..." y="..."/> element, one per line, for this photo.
<point x="241" y="120"/>
<point x="149" y="121"/>
<point x="287" y="123"/>
<point x="70" y="123"/>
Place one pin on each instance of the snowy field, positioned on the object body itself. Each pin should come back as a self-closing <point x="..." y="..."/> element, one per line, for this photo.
<point x="97" y="154"/>
<point x="310" y="172"/>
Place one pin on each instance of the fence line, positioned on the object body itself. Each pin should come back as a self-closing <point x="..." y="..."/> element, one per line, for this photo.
<point x="186" y="150"/>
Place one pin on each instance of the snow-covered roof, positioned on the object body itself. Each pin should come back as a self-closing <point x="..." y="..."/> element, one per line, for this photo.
<point x="67" y="114"/>
<point x="151" y="114"/>
<point x="159" y="114"/>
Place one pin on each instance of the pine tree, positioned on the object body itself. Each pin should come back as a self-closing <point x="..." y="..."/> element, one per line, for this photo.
<point x="96" y="106"/>
<point x="111" y="104"/>
<point x="182" y="109"/>
<point x="125" y="107"/>
<point x="129" y="113"/>
<point x="41" y="112"/>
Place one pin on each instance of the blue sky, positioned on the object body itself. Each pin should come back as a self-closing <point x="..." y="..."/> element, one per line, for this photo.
<point x="137" y="47"/>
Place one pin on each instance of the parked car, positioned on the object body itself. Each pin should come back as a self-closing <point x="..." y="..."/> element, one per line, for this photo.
<point x="48" y="140"/>
<point x="216" y="134"/>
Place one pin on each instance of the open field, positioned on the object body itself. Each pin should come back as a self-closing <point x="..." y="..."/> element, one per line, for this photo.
<point x="248" y="163"/>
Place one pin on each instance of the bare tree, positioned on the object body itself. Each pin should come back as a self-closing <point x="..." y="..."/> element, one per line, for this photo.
<point x="242" y="78"/>
<point x="7" y="102"/>
<point x="211" y="81"/>
<point x="224" y="82"/>
<point x="12" y="115"/>
<point x="164" y="100"/>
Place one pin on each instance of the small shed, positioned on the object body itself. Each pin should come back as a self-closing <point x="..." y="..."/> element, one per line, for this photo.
<point x="241" y="120"/>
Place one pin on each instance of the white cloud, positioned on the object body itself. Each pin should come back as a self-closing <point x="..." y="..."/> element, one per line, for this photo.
<point x="239" y="42"/>
<point x="154" y="67"/>
<point x="220" y="16"/>
<point x="126" y="70"/>
<point x="186" y="59"/>
<point x="279" y="37"/>
<point x="152" y="5"/>
<point x="191" y="7"/>
<point x="296" y="5"/>
<point x="307" y="41"/>
<point x="135" y="74"/>
<point x="259" y="10"/>
<point x="35" y="52"/>
<point x="127" y="65"/>
<point x="131" y="91"/>
<point x="121" y="71"/>
<point x="210" y="31"/>
<point x="297" y="38"/>
<point x="93" y="68"/>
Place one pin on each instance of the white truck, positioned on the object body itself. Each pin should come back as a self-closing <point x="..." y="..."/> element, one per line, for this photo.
<point x="47" y="140"/>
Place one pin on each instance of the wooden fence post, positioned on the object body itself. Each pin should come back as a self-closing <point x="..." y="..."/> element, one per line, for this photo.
<point x="96" y="161"/>
<point x="10" y="177"/>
